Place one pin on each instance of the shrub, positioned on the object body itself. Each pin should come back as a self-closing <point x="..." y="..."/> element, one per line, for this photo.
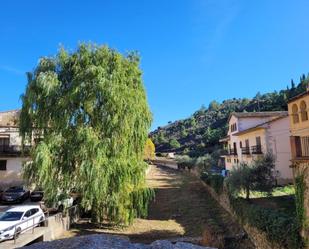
<point x="174" y="143"/>
<point x="185" y="162"/>
<point x="278" y="226"/>
<point x="259" y="176"/>
<point x="213" y="180"/>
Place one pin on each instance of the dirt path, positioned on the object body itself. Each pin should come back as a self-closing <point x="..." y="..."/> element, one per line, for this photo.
<point x="182" y="207"/>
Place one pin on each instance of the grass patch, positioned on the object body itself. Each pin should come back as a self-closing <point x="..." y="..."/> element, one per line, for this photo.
<point x="278" y="191"/>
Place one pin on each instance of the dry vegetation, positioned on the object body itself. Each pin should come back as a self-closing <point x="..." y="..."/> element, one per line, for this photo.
<point x="182" y="207"/>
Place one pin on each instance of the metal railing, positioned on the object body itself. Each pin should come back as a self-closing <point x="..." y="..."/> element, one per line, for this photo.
<point x="14" y="149"/>
<point x="233" y="151"/>
<point x="245" y="150"/>
<point x="257" y="149"/>
<point x="31" y="227"/>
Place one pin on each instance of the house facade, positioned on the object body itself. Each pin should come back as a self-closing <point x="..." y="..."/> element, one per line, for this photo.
<point x="299" y="122"/>
<point x="11" y="156"/>
<point x="254" y="134"/>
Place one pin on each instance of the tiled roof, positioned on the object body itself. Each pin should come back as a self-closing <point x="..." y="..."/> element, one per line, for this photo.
<point x="298" y="96"/>
<point x="259" y="126"/>
<point x="259" y="114"/>
<point x="9" y="118"/>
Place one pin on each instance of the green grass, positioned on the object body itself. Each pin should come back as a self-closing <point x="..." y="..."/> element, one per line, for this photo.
<point x="278" y="191"/>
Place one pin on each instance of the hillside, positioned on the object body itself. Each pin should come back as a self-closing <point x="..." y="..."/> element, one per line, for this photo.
<point x="200" y="133"/>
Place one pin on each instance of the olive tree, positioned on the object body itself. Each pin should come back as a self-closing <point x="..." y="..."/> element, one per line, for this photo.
<point x="258" y="176"/>
<point x="88" y="109"/>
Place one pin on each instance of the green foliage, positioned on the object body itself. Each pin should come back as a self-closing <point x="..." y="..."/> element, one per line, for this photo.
<point x="213" y="106"/>
<point x="90" y="109"/>
<point x="300" y="188"/>
<point x="240" y="179"/>
<point x="258" y="176"/>
<point x="208" y="125"/>
<point x="174" y="144"/>
<point x="149" y="150"/>
<point x="185" y="162"/>
<point x="203" y="163"/>
<point x="213" y="180"/>
<point x="278" y="226"/>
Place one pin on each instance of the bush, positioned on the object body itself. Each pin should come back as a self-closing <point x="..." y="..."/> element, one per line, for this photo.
<point x="213" y="180"/>
<point x="278" y="226"/>
<point x="185" y="162"/>
<point x="174" y="143"/>
<point x="259" y="176"/>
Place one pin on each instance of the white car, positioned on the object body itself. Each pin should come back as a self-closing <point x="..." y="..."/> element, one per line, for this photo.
<point x="18" y="220"/>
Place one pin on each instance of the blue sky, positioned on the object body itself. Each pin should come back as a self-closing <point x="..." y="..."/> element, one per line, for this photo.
<point x="193" y="51"/>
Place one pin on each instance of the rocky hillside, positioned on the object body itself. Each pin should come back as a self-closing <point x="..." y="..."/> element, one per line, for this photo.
<point x="200" y="133"/>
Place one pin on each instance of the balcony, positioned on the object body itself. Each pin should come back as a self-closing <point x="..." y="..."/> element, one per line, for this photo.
<point x="257" y="149"/>
<point x="245" y="150"/>
<point x="233" y="152"/>
<point x="300" y="148"/>
<point x="13" y="150"/>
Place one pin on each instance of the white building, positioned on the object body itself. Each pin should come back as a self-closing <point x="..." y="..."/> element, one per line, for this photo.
<point x="11" y="157"/>
<point x="253" y="134"/>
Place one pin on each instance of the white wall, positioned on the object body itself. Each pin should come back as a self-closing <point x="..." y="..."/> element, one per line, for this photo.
<point x="275" y="138"/>
<point x="15" y="138"/>
<point x="246" y="123"/>
<point x="279" y="142"/>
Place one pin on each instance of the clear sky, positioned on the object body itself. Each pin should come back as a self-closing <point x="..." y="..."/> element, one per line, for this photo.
<point x="193" y="51"/>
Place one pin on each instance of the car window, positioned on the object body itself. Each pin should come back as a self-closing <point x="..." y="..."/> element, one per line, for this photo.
<point x="11" y="216"/>
<point x="34" y="211"/>
<point x="28" y="213"/>
<point x="14" y="189"/>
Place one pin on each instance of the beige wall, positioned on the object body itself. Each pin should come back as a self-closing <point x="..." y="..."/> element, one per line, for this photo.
<point x="302" y="127"/>
<point x="251" y="136"/>
<point x="12" y="174"/>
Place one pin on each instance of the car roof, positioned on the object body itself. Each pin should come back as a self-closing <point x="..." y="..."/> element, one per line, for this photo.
<point x="22" y="208"/>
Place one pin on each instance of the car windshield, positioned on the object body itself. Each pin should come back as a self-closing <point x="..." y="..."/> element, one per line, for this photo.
<point x="14" y="190"/>
<point x="11" y="216"/>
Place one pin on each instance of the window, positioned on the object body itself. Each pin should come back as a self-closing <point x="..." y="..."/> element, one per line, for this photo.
<point x="295" y="114"/>
<point x="233" y="127"/>
<point x="2" y="164"/>
<point x="258" y="141"/>
<point x="27" y="214"/>
<point x="247" y="143"/>
<point x="240" y="144"/>
<point x="4" y="143"/>
<point x="303" y="111"/>
<point x="34" y="211"/>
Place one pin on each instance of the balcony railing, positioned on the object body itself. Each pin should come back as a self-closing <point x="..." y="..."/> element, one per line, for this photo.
<point x="13" y="149"/>
<point x="257" y="149"/>
<point x="245" y="150"/>
<point x="233" y="151"/>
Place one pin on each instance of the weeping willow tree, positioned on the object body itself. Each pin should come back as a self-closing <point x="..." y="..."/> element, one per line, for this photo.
<point x="89" y="112"/>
